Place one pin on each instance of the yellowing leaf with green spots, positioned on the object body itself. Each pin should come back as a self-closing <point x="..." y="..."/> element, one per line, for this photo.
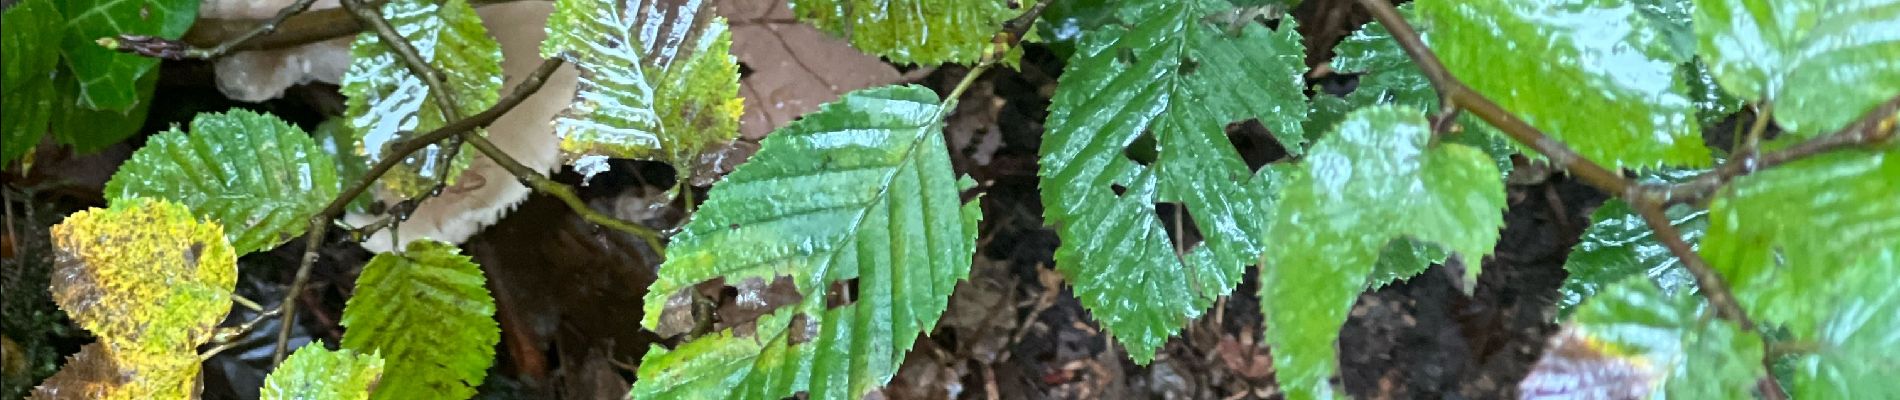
<point x="426" y="312"/>
<point x="145" y="276"/>
<point x="314" y="372"/>
<point x="925" y="32"/>
<point x="657" y="81"/>
<point x="99" y="373"/>
<point x="387" y="103"/>
<point x="1373" y="180"/>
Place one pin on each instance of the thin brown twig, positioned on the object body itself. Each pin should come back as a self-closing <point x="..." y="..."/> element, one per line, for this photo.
<point x="1875" y="127"/>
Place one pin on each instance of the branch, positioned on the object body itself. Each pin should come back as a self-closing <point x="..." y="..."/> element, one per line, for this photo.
<point x="1876" y="127"/>
<point x="151" y="46"/>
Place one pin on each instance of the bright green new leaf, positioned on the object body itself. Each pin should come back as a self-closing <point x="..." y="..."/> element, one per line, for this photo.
<point x="30" y="42"/>
<point x="1139" y="118"/>
<point x="925" y="32"/>
<point x="1854" y="359"/>
<point x="1563" y="65"/>
<point x="1619" y="245"/>
<point x="254" y="173"/>
<point x="98" y="372"/>
<point x="1370" y="181"/>
<point x="1388" y="76"/>
<point x="145" y="276"/>
<point x="861" y="189"/>
<point x="657" y="82"/>
<point x="1404" y="258"/>
<point x="108" y="79"/>
<point x="1787" y="238"/>
<point x="1670" y="339"/>
<point x="387" y="102"/>
<point x="426" y="313"/>
<point x="1821" y="63"/>
<point x="316" y="373"/>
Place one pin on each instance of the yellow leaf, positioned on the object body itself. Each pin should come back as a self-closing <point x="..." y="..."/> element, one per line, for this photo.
<point x="145" y="276"/>
<point x="97" y="372"/>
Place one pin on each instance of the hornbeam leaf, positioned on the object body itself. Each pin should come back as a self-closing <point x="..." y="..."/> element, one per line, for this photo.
<point x="314" y="372"/>
<point x="1364" y="186"/>
<point x="1820" y="63"/>
<point x="912" y="31"/>
<point x="387" y="103"/>
<point x="145" y="276"/>
<point x="1162" y="88"/>
<point x="254" y="173"/>
<point x="426" y="313"/>
<point x="860" y="191"/>
<point x="657" y="81"/>
<point x="1563" y="65"/>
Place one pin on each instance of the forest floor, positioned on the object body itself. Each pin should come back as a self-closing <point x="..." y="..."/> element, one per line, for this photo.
<point x="568" y="293"/>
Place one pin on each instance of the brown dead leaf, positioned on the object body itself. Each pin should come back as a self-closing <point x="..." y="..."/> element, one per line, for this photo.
<point x="795" y="67"/>
<point x="1573" y="368"/>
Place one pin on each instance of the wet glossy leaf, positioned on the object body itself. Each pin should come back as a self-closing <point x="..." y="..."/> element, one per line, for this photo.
<point x="1787" y="239"/>
<point x="1404" y="258"/>
<point x="1162" y="89"/>
<point x="30" y="42"/>
<point x="1370" y="181"/>
<point x="316" y="373"/>
<point x="1821" y="63"/>
<point x="912" y="31"/>
<point x="254" y="173"/>
<point x="426" y="313"/>
<point x="1619" y="245"/>
<point x="1633" y="340"/>
<point x="387" y="103"/>
<point x="658" y="81"/>
<point x="108" y="80"/>
<point x="99" y="373"/>
<point x="861" y="189"/>
<point x="1854" y="359"/>
<point x="145" y="276"/>
<point x="1562" y="65"/>
<point x="1389" y="77"/>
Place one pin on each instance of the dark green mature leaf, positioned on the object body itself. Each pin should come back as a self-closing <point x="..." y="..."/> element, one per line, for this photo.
<point x="254" y="173"/>
<point x="1167" y="85"/>
<point x="1562" y="65"/>
<point x="1619" y="245"/>
<point x="861" y="189"/>
<point x="1372" y="180"/>
<point x="1388" y="76"/>
<point x="30" y="42"/>
<point x="316" y="373"/>
<point x="108" y="80"/>
<point x="88" y="130"/>
<point x="657" y="82"/>
<point x="144" y="275"/>
<point x="912" y="31"/>
<point x="426" y="313"/>
<point x="1821" y="63"/>
<point x="386" y="101"/>
<point x="1666" y="341"/>
<point x="1790" y="239"/>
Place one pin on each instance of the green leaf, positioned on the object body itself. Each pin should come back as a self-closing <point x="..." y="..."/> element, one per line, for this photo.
<point x="1372" y="180"/>
<point x="33" y="28"/>
<point x="1388" y="76"/>
<point x="1672" y="341"/>
<point x="252" y="172"/>
<point x="88" y="130"/>
<point x="426" y="313"/>
<point x="1167" y="85"/>
<point x="1787" y="238"/>
<point x="387" y="103"/>
<point x="1821" y="63"/>
<point x="1856" y="339"/>
<point x="1404" y="258"/>
<point x="1619" y="245"/>
<point x="108" y="80"/>
<point x="912" y="31"/>
<point x="314" y="372"/>
<point x="861" y="189"/>
<point x="145" y="276"/>
<point x="1562" y="65"/>
<point x="656" y="83"/>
